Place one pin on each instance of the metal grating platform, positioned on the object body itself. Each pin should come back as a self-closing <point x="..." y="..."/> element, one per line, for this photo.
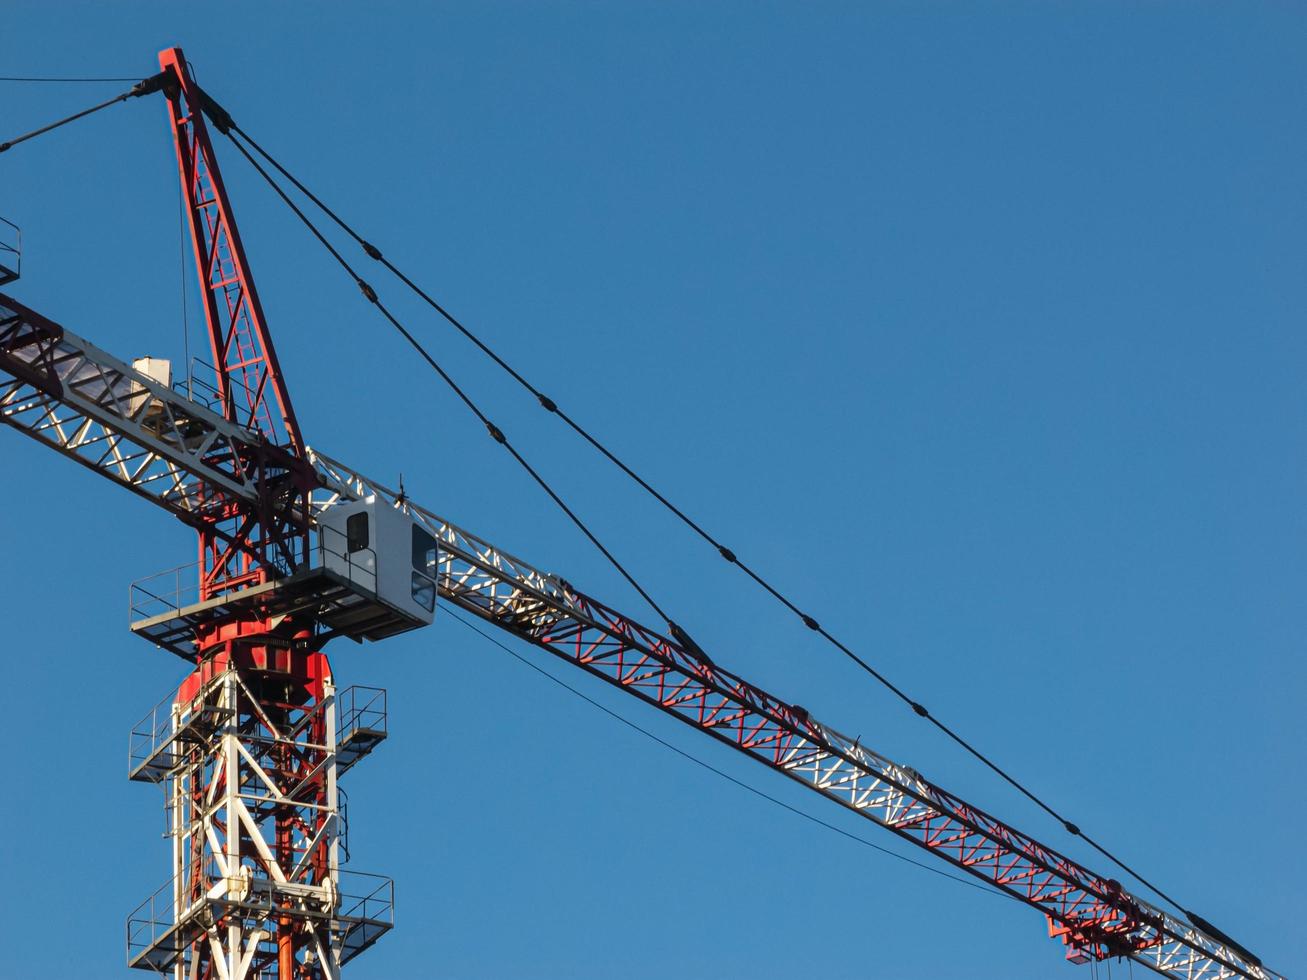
<point x="362" y="713"/>
<point x="156" y="748"/>
<point x="343" y="607"/>
<point x="158" y="937"/>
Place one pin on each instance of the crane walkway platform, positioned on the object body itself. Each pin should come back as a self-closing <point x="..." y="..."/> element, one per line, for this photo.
<point x="167" y="610"/>
<point x="362" y="713"/>
<point x="161" y="932"/>
<point x="161" y="741"/>
<point x="157" y="748"/>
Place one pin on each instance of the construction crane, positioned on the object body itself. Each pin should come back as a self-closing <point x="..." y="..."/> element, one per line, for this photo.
<point x="297" y="549"/>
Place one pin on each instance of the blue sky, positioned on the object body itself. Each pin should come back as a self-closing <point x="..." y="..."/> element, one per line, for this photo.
<point x="976" y="328"/>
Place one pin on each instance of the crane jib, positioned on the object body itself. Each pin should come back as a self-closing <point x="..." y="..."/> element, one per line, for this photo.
<point x="99" y="411"/>
<point x="1092" y="914"/>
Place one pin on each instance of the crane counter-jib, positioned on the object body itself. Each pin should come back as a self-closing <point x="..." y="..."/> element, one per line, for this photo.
<point x="119" y="421"/>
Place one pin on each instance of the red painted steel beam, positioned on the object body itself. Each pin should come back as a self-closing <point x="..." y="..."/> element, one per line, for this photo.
<point x="244" y="356"/>
<point x="273" y="534"/>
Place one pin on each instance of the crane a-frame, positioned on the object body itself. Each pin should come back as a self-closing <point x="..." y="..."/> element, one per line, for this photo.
<point x="296" y="548"/>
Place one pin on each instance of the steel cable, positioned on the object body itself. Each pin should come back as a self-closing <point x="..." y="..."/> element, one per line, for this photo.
<point x="228" y="126"/>
<point x="143" y="87"/>
<point x="495" y="432"/>
<point x="526" y="661"/>
<point x="61" y="78"/>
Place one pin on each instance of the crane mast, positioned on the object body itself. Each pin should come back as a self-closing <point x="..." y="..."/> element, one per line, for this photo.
<point x="249" y="750"/>
<point x="295" y="549"/>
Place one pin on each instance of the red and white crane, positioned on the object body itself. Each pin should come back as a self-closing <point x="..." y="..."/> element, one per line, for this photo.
<point x="296" y="548"/>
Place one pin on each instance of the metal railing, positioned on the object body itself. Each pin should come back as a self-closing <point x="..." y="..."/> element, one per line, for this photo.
<point x="358" y="567"/>
<point x="367" y="912"/>
<point x="366" y="897"/>
<point x="164" y="592"/>
<point x="152" y="927"/>
<point x="168" y="592"/>
<point x="149" y="736"/>
<point x="360" y="709"/>
<point x="149" y="923"/>
<point x="342" y="823"/>
<point x="157" y="744"/>
<point x="11" y="251"/>
<point x="364" y="907"/>
<point x="204" y="392"/>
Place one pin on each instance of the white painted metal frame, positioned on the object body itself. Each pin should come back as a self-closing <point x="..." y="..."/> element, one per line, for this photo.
<point x="187" y="459"/>
<point x="217" y="764"/>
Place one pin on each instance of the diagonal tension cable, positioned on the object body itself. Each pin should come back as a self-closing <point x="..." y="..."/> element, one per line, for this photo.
<point x="528" y="662"/>
<point x="228" y="127"/>
<point x="65" y="78"/>
<point x="143" y="87"/>
<point x="495" y="432"/>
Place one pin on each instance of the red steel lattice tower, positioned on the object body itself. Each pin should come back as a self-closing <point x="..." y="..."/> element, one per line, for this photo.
<point x="250" y="748"/>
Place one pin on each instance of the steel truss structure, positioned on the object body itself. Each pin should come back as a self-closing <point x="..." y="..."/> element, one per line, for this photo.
<point x="1093" y="916"/>
<point x="245" y="543"/>
<point x="250" y="748"/>
<point x="249" y="751"/>
<point x="126" y="426"/>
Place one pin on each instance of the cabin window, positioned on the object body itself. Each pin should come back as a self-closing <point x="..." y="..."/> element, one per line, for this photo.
<point x="424" y="592"/>
<point x="356" y="532"/>
<point x="424" y="552"/>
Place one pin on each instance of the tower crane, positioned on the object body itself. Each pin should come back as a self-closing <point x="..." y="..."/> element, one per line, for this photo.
<point x="297" y="548"/>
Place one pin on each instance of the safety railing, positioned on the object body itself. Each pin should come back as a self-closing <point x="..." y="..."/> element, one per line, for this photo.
<point x="149" y="924"/>
<point x="11" y="251"/>
<point x="342" y="823"/>
<point x="365" y="896"/>
<point x="366" y="911"/>
<point x="332" y="552"/>
<point x="159" y="742"/>
<point x="147" y="755"/>
<point x="168" y="592"/>
<point x="361" y="709"/>
<point x="196" y="388"/>
<point x="165" y="592"/>
<point x="361" y="724"/>
<point x="161" y="928"/>
<point x="157" y="932"/>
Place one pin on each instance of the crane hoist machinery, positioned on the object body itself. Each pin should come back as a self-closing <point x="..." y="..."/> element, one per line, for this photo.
<point x="297" y="548"/>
